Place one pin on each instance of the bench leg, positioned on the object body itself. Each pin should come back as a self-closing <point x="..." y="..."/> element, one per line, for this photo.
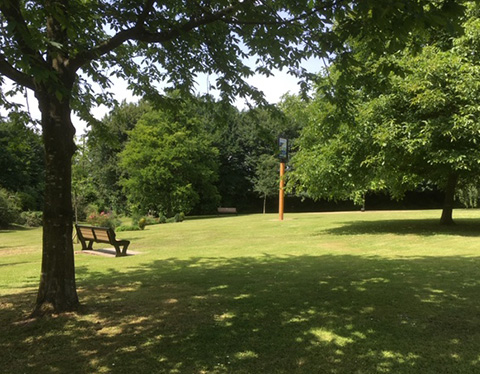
<point x="121" y="252"/>
<point x="85" y="246"/>
<point x="125" y="246"/>
<point x="117" y="250"/>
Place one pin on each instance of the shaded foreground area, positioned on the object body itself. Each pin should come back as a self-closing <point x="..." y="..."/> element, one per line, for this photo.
<point x="271" y="314"/>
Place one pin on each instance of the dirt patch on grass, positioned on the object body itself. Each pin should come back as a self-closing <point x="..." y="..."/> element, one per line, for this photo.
<point x="106" y="252"/>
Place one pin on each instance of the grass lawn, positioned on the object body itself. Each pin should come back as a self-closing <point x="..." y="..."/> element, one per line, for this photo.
<point x="373" y="292"/>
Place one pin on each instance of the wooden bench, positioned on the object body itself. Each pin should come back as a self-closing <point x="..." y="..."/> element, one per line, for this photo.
<point x="224" y="210"/>
<point x="101" y="235"/>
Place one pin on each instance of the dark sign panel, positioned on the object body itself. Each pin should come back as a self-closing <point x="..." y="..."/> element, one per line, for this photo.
<point x="283" y="149"/>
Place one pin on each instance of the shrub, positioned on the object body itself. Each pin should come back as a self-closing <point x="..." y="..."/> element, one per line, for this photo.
<point x="90" y="209"/>
<point x="103" y="219"/>
<point x="162" y="218"/>
<point x="32" y="218"/>
<point x="179" y="217"/>
<point x="136" y="216"/>
<point x="468" y="195"/>
<point x="142" y="222"/>
<point x="82" y="208"/>
<point x="9" y="208"/>
<point x="150" y="220"/>
<point x="28" y="201"/>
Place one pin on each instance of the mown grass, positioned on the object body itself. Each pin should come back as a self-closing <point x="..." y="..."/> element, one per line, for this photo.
<point x="386" y="292"/>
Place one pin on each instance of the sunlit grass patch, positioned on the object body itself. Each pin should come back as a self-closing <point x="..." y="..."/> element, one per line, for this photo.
<point x="323" y="335"/>
<point x="245" y="355"/>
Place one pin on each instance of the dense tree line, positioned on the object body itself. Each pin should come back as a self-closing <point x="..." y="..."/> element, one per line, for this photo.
<point x="191" y="157"/>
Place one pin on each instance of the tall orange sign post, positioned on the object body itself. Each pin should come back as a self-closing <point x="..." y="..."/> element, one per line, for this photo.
<point x="283" y="155"/>
<point x="281" y="195"/>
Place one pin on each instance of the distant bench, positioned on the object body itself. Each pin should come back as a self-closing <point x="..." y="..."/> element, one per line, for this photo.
<point x="223" y="210"/>
<point x="101" y="235"/>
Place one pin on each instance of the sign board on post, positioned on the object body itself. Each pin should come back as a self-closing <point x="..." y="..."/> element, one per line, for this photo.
<point x="283" y="149"/>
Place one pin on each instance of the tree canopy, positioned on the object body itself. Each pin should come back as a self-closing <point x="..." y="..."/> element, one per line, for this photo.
<point x="169" y="165"/>
<point x="416" y="125"/>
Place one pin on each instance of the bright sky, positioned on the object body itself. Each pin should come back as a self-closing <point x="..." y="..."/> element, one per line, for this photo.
<point x="274" y="87"/>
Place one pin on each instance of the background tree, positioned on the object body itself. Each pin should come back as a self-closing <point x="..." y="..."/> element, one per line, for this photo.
<point x="85" y="190"/>
<point x="105" y="140"/>
<point x="169" y="166"/>
<point x="227" y="136"/>
<point x="22" y="161"/>
<point x="332" y="147"/>
<point x="426" y="127"/>
<point x="242" y="138"/>
<point x="266" y="181"/>
<point x="418" y="125"/>
<point x="56" y="48"/>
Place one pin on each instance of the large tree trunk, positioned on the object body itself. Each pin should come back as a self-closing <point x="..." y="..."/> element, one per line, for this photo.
<point x="57" y="291"/>
<point x="447" y="212"/>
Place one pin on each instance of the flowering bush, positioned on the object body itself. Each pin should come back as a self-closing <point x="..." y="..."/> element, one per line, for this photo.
<point x="103" y="219"/>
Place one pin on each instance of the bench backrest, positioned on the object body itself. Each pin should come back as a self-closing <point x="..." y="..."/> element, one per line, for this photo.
<point x="226" y="210"/>
<point x="103" y="234"/>
<point x="86" y="232"/>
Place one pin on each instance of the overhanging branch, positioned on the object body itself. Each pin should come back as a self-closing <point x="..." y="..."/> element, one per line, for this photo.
<point x="139" y="33"/>
<point x="17" y="76"/>
<point x="11" y="10"/>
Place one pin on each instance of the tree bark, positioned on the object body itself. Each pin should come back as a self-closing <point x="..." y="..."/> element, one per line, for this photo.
<point x="57" y="291"/>
<point x="447" y="212"/>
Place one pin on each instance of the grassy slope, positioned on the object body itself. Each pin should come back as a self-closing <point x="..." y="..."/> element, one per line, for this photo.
<point x="316" y="293"/>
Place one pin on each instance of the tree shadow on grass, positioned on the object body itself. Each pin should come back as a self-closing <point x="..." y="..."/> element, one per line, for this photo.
<point x="423" y="227"/>
<point x="307" y="314"/>
<point x="14" y="228"/>
<point x="13" y="263"/>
